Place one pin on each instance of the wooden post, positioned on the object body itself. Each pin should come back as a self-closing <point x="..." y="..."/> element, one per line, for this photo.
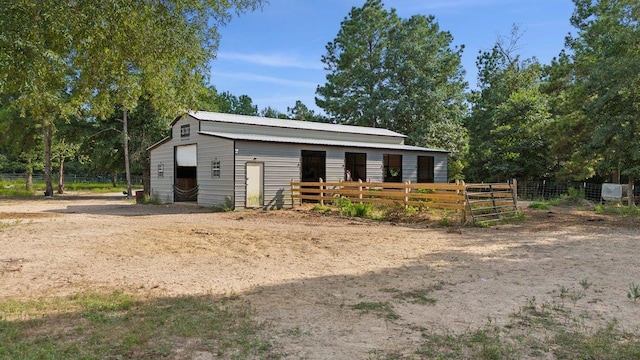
<point x="406" y="194"/>
<point x="360" y="190"/>
<point x="321" y="193"/>
<point x="293" y="202"/>
<point x="464" y="194"/>
<point x="514" y="188"/>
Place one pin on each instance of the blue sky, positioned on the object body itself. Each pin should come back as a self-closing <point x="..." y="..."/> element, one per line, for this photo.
<point x="274" y="55"/>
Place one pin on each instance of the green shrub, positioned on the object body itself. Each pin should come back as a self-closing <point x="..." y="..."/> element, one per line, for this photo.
<point x="538" y="206"/>
<point x="363" y="210"/>
<point x="226" y="207"/>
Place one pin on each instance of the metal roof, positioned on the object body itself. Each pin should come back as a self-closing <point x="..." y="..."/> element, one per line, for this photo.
<point x="291" y="124"/>
<point x="295" y="140"/>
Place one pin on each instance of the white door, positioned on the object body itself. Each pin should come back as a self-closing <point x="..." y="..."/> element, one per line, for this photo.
<point x="254" y="185"/>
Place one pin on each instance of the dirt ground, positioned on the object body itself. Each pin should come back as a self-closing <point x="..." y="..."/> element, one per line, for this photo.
<point x="303" y="271"/>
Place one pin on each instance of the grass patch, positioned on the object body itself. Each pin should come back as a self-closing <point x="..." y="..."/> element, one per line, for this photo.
<point x="226" y="207"/>
<point x="381" y="309"/>
<point x="417" y="296"/>
<point x="117" y="325"/>
<point x="538" y="206"/>
<point x="626" y="211"/>
<point x="16" y="188"/>
<point x="537" y="330"/>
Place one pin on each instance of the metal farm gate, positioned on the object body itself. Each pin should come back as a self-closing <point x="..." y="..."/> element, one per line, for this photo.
<point x="491" y="202"/>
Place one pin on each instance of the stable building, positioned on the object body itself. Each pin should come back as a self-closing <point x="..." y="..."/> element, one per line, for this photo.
<point x="248" y="161"/>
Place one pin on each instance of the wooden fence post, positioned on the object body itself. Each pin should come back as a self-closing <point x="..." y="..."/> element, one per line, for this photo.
<point x="514" y="186"/>
<point x="464" y="194"/>
<point x="360" y="190"/>
<point x="406" y="194"/>
<point x="321" y="193"/>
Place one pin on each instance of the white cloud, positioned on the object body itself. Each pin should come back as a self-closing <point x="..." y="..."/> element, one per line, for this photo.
<point x="265" y="79"/>
<point x="274" y="60"/>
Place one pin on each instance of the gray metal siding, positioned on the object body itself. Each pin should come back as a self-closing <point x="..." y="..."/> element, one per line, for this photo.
<point x="440" y="168"/>
<point x="281" y="164"/>
<point x="214" y="190"/>
<point x="410" y="167"/>
<point x="162" y="187"/>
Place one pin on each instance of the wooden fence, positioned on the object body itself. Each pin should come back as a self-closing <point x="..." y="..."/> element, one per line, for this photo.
<point x="484" y="202"/>
<point x="425" y="195"/>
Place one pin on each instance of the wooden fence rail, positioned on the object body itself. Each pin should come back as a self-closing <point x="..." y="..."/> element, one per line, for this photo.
<point x="436" y="196"/>
<point x="484" y="202"/>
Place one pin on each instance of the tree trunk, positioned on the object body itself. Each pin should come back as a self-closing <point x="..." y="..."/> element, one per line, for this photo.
<point x="125" y="135"/>
<point x="61" y="177"/>
<point x="114" y="179"/>
<point x="47" y="132"/>
<point x="29" y="175"/>
<point x="146" y="178"/>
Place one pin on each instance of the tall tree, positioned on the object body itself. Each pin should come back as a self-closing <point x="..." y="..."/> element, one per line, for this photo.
<point x="300" y="111"/>
<point x="606" y="49"/>
<point x="567" y="131"/>
<point x="355" y="91"/>
<point x="401" y="74"/>
<point x="509" y="116"/>
<point x="57" y="57"/>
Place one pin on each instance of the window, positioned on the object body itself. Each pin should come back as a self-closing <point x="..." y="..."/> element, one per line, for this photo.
<point x="426" y="169"/>
<point x="215" y="168"/>
<point x="160" y="170"/>
<point x="185" y="130"/>
<point x="313" y="165"/>
<point x="356" y="166"/>
<point x="392" y="168"/>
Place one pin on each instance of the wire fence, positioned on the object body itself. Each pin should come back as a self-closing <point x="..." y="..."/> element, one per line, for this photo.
<point x="545" y="190"/>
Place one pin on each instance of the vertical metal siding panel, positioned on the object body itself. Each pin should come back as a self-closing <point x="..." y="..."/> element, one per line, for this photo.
<point x="374" y="165"/>
<point x="334" y="164"/>
<point x="440" y="168"/>
<point x="410" y="166"/>
<point x="213" y="191"/>
<point x="162" y="188"/>
<point x="281" y="164"/>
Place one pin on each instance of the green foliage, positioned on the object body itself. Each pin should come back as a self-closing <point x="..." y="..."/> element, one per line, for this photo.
<point x="509" y="117"/>
<point x="400" y="74"/>
<point x="538" y="206"/>
<point x="606" y="82"/>
<point x="631" y="211"/>
<point x="321" y="208"/>
<point x="347" y="208"/>
<point x="545" y="330"/>
<point x="300" y="111"/>
<point x="634" y="292"/>
<point x="118" y="325"/>
<point x="226" y="207"/>
<point x="380" y="309"/>
<point x="61" y="59"/>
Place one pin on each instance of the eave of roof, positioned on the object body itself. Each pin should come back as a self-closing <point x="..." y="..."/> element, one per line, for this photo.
<point x="290" y="124"/>
<point x="159" y="143"/>
<point x="295" y="140"/>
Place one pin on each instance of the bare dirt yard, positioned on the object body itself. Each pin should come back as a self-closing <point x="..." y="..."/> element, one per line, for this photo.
<point x="326" y="287"/>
